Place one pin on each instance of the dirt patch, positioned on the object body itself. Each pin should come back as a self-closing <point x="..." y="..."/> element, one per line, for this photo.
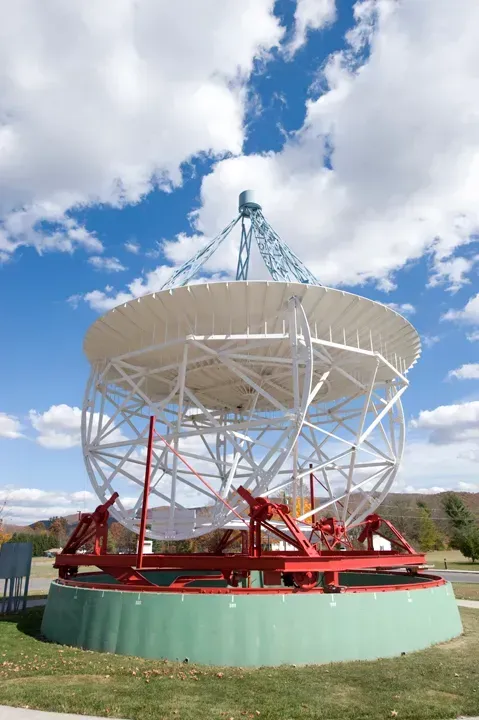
<point x="455" y="643"/>
<point x="441" y="695"/>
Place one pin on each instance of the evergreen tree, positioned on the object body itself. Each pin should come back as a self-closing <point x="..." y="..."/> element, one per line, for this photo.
<point x="41" y="542"/>
<point x="460" y="517"/>
<point x="468" y="543"/>
<point x="461" y="521"/>
<point x="465" y="530"/>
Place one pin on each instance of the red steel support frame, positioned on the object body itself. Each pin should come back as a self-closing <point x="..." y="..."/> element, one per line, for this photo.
<point x="311" y="491"/>
<point x="302" y="565"/>
<point x="146" y="493"/>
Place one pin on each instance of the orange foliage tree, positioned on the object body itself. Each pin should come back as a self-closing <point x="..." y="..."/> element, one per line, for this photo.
<point x="4" y="535"/>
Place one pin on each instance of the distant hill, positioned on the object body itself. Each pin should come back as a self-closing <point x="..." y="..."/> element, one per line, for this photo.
<point x="12" y="528"/>
<point x="72" y="520"/>
<point x="434" y="502"/>
<point x="395" y="505"/>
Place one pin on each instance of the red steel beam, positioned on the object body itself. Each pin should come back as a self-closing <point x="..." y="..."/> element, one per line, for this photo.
<point x="429" y="581"/>
<point x="292" y="562"/>
<point x="311" y="491"/>
<point x="146" y="493"/>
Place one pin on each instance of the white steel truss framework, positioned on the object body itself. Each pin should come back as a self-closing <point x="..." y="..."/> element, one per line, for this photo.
<point x="269" y="441"/>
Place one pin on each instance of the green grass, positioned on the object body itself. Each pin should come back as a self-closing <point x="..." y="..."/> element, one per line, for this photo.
<point x="455" y="560"/>
<point x="466" y="591"/>
<point x="442" y="682"/>
<point x="33" y="595"/>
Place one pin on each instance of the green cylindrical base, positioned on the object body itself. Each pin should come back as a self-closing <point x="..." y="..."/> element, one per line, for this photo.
<point x="254" y="629"/>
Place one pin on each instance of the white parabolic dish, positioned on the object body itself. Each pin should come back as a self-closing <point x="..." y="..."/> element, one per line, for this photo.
<point x="251" y="383"/>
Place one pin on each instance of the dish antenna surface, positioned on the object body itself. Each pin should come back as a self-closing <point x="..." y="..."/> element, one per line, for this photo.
<point x="261" y="384"/>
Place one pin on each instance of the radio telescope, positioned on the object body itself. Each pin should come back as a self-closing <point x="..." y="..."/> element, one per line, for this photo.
<point x="260" y="384"/>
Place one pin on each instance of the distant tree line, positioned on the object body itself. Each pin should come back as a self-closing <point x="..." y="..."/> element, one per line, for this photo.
<point x="120" y="539"/>
<point x="41" y="537"/>
<point x="426" y="525"/>
<point x="41" y="541"/>
<point x="456" y="528"/>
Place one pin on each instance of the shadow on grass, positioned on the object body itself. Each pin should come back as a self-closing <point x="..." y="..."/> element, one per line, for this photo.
<point x="29" y="622"/>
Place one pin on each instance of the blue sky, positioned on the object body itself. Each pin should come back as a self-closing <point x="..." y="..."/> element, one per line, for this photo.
<point x="356" y="124"/>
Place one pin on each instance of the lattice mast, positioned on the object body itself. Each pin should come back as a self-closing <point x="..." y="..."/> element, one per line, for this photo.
<point x="280" y="260"/>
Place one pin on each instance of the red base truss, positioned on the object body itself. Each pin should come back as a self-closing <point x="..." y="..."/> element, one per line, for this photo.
<point x="326" y="553"/>
<point x="313" y="565"/>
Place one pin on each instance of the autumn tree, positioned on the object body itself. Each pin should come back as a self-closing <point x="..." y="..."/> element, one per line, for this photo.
<point x="429" y="535"/>
<point x="121" y="539"/>
<point x="59" y="529"/>
<point x="4" y="535"/>
<point x="39" y="526"/>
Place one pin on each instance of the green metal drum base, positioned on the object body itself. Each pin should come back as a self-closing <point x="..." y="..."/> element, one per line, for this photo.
<point x="255" y="629"/>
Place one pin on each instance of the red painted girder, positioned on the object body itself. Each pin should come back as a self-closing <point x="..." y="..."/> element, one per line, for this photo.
<point x="284" y="562"/>
<point x="429" y="581"/>
<point x="127" y="575"/>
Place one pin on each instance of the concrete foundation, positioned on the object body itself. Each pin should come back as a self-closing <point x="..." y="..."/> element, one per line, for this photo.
<point x="255" y="629"/>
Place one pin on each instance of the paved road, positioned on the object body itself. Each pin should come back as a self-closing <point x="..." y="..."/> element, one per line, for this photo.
<point x="469" y="604"/>
<point x="460" y="577"/>
<point x="39" y="584"/>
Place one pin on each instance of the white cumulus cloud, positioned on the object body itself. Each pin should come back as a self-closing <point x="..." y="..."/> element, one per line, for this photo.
<point x="59" y="427"/>
<point x="107" y="264"/>
<point x="402" y="308"/>
<point x="132" y="247"/>
<point x="450" y="423"/>
<point x="10" y="426"/>
<point x="430" y="340"/>
<point x="101" y="102"/>
<point x="468" y="371"/>
<point x="24" y="505"/>
<point x="310" y="15"/>
<point x="468" y="315"/>
<point x="386" y="166"/>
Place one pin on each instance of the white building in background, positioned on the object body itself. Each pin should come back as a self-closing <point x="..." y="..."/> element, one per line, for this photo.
<point x="147" y="547"/>
<point x="282" y="546"/>
<point x="379" y="543"/>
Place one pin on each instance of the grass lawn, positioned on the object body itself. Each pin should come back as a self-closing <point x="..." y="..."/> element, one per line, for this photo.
<point x="466" y="591"/>
<point x="455" y="560"/>
<point x="43" y="568"/>
<point x="442" y="682"/>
